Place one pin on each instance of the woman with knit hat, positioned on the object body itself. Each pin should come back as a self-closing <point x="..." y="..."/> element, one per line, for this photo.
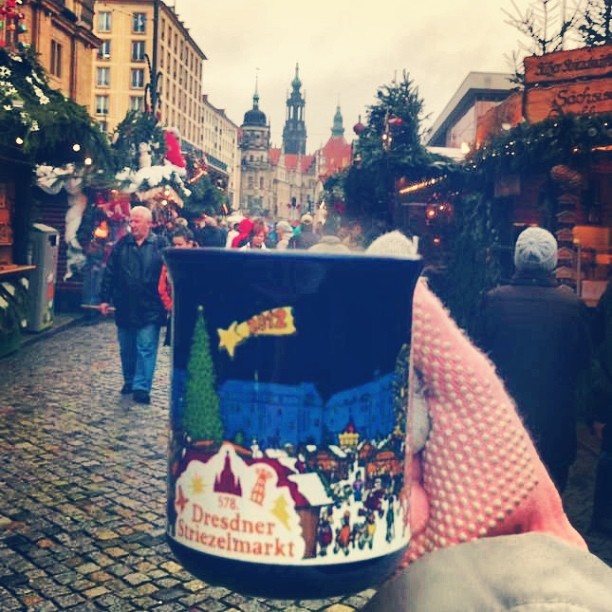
<point x="536" y="333"/>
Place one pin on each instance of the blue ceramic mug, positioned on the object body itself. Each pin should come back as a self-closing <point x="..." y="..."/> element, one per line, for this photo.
<point x="287" y="454"/>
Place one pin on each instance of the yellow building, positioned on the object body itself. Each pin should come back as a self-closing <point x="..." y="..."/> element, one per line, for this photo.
<point x="220" y="144"/>
<point x="128" y="56"/>
<point x="62" y="35"/>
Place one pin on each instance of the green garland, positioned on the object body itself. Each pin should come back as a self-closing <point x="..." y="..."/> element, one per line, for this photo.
<point x="533" y="147"/>
<point x="38" y="123"/>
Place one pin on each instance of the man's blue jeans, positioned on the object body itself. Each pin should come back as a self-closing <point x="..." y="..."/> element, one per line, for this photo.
<point x="138" y="349"/>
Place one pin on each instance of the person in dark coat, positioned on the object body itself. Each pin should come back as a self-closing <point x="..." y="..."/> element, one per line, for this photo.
<point x="207" y="232"/>
<point x="536" y="332"/>
<point x="130" y="282"/>
<point x="306" y="237"/>
<point x="600" y="404"/>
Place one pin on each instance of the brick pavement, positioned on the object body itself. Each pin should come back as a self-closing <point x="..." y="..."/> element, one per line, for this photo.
<point x="83" y="489"/>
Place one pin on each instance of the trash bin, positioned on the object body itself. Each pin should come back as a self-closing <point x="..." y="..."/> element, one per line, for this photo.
<point x="42" y="253"/>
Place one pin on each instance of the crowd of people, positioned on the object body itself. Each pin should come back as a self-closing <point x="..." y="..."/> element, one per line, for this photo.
<point x="240" y="232"/>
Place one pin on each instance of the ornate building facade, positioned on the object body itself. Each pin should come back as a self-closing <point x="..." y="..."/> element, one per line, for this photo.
<point x="285" y="182"/>
<point x="220" y="145"/>
<point x="62" y="35"/>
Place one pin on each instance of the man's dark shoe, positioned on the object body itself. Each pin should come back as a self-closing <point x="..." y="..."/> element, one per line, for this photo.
<point x="126" y="389"/>
<point x="141" y="397"/>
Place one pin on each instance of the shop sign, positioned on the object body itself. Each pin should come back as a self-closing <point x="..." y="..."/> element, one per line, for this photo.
<point x="589" y="62"/>
<point x="581" y="98"/>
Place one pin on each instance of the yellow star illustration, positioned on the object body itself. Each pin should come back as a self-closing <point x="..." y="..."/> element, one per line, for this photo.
<point x="230" y="338"/>
<point x="197" y="485"/>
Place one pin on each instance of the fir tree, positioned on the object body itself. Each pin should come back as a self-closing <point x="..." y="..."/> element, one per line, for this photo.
<point x="202" y="418"/>
<point x="389" y="148"/>
<point x="546" y="25"/>
<point x="595" y="28"/>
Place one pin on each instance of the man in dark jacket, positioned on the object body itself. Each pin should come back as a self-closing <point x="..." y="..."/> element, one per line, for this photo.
<point x="207" y="232"/>
<point x="600" y="403"/>
<point x="306" y="237"/>
<point x="536" y="333"/>
<point x="130" y="282"/>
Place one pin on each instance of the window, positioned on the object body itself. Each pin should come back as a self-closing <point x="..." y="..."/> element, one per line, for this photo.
<point x="103" y="125"/>
<point x="104" y="50"/>
<point x="56" y="59"/>
<point x="261" y="182"/>
<point x="137" y="103"/>
<point x="138" y="50"/>
<point x="137" y="78"/>
<point x="104" y="21"/>
<point x="101" y="105"/>
<point x="103" y="76"/>
<point x="139" y="22"/>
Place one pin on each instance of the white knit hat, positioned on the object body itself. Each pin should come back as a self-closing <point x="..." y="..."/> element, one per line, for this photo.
<point x="535" y="251"/>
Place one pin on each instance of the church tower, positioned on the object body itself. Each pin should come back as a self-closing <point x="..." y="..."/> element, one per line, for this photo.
<point x="337" y="154"/>
<point x="338" y="127"/>
<point x="294" y="132"/>
<point x="254" y="159"/>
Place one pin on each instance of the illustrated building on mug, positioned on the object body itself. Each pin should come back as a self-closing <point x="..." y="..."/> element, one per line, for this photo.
<point x="274" y="414"/>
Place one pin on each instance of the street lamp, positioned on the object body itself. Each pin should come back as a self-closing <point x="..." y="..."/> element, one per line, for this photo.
<point x="151" y="88"/>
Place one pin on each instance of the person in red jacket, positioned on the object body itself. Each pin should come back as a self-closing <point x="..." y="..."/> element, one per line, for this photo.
<point x="182" y="237"/>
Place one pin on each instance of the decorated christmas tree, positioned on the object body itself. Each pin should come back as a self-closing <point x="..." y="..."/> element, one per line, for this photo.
<point x="202" y="418"/>
<point x="389" y="148"/>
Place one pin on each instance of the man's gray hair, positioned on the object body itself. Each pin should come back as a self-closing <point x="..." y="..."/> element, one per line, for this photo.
<point x="143" y="210"/>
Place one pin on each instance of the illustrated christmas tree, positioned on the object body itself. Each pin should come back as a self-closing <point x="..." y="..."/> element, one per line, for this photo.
<point x="202" y="417"/>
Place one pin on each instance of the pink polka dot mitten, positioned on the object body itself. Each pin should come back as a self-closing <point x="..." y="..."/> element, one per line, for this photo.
<point x="478" y="473"/>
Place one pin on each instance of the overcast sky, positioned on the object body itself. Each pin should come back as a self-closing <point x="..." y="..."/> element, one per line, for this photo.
<point x="345" y="49"/>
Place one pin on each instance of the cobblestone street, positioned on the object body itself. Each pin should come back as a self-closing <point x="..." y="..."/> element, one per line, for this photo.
<point x="82" y="486"/>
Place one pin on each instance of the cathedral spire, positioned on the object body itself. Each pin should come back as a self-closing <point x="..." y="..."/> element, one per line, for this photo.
<point x="338" y="127"/>
<point x="296" y="83"/>
<point x="294" y="132"/>
<point x="256" y="94"/>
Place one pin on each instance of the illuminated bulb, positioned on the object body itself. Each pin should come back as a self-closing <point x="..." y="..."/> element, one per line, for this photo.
<point x="76" y="148"/>
<point x="88" y="161"/>
<point x="19" y="140"/>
